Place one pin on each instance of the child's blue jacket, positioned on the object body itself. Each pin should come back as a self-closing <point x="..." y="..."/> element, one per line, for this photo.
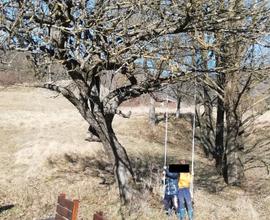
<point x="171" y="183"/>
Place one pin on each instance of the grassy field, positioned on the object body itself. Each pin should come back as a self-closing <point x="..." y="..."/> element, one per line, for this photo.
<point x="43" y="153"/>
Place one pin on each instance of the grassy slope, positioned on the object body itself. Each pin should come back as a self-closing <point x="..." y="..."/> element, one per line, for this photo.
<point x="43" y="153"/>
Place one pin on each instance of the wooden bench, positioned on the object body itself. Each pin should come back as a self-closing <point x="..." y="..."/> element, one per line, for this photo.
<point x="66" y="209"/>
<point x="99" y="216"/>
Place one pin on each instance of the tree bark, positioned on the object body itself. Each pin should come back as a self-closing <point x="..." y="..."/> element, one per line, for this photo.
<point x="234" y="170"/>
<point x="234" y="173"/>
<point x="123" y="172"/>
<point x="152" y="112"/>
<point x="178" y="105"/>
<point x="207" y="132"/>
<point x="219" y="139"/>
<point x="93" y="135"/>
<point x="117" y="154"/>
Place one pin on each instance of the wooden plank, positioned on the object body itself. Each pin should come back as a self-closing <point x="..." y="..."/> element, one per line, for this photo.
<point x="59" y="217"/>
<point x="62" y="211"/>
<point x="65" y="203"/>
<point x="75" y="209"/>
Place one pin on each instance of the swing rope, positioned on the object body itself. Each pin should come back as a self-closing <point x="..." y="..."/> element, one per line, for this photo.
<point x="193" y="143"/>
<point x="166" y="133"/>
<point x="165" y="144"/>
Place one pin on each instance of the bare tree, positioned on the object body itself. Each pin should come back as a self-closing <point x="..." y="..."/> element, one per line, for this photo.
<point x="90" y="39"/>
<point x="152" y="112"/>
<point x="182" y="91"/>
<point x="230" y="76"/>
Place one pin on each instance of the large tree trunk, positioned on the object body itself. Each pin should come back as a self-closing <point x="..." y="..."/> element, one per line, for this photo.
<point x="178" y="104"/>
<point x="152" y="112"/>
<point x="122" y="169"/>
<point x="100" y="119"/>
<point x="123" y="172"/>
<point x="206" y="125"/>
<point x="234" y="170"/>
<point x="219" y="140"/>
<point x="117" y="154"/>
<point x="234" y="167"/>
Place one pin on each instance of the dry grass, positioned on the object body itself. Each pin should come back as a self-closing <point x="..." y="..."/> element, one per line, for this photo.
<point x="43" y="153"/>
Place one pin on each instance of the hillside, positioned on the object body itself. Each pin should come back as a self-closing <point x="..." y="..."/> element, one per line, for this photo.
<point x="43" y="153"/>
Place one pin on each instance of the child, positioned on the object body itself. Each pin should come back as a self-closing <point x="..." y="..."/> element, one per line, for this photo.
<point x="184" y="195"/>
<point x="171" y="191"/>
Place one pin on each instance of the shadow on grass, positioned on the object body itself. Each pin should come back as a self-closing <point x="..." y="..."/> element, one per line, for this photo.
<point x="6" y="207"/>
<point x="147" y="169"/>
<point x="207" y="178"/>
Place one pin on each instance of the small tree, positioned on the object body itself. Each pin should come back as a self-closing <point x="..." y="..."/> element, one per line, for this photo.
<point x="181" y="91"/>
